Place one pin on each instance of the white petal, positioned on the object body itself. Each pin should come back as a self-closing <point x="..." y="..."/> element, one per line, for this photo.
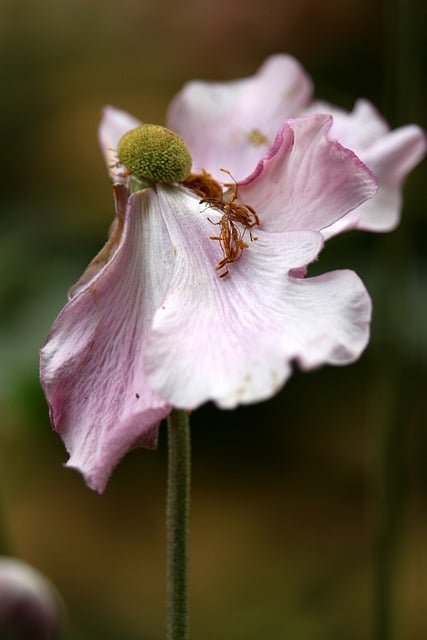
<point x="232" y="339"/>
<point x="232" y="124"/>
<point x="114" y="124"/>
<point x="356" y="130"/>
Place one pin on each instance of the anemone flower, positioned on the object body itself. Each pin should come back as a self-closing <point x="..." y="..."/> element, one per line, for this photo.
<point x="198" y="294"/>
<point x="202" y="289"/>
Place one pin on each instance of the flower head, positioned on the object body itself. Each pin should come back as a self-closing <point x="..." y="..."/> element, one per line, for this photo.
<point x="198" y="294"/>
<point x="30" y="606"/>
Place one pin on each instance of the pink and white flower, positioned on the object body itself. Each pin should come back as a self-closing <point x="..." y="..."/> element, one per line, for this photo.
<point x="151" y="325"/>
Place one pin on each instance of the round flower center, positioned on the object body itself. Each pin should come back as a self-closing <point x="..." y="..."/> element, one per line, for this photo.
<point x="154" y="153"/>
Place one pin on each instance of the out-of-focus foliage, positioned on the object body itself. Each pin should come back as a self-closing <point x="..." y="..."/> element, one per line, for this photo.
<point x="283" y="498"/>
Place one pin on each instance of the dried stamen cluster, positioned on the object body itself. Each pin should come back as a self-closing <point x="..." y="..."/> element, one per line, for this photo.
<point x="235" y="221"/>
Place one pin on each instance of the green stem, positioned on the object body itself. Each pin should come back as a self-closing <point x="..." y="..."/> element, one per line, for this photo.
<point x="178" y="510"/>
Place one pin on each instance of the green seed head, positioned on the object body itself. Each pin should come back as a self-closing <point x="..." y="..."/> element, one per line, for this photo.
<point x="152" y="152"/>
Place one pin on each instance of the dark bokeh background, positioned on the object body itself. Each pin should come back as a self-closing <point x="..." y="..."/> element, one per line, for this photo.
<point x="286" y="494"/>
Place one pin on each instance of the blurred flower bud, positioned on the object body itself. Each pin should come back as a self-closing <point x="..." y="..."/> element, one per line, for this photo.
<point x="30" y="607"/>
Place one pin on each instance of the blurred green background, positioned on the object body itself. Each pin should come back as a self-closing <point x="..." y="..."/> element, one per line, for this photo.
<point x="293" y="523"/>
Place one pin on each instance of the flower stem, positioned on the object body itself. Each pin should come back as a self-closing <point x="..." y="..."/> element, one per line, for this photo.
<point x="178" y="510"/>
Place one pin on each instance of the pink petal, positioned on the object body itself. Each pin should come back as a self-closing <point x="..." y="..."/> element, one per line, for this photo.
<point x="92" y="366"/>
<point x="395" y="155"/>
<point x="114" y="124"/>
<point x="310" y="180"/>
<point x="356" y="130"/>
<point x="390" y="155"/>
<point x="232" y="124"/>
<point x="391" y="159"/>
<point x="232" y="339"/>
